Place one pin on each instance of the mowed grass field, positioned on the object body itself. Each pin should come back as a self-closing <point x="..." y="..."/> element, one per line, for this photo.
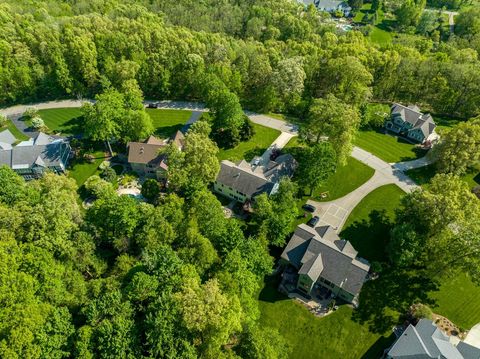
<point x="387" y="147"/>
<point x="167" y="122"/>
<point x="368" y="225"/>
<point x="256" y="146"/>
<point x="346" y="178"/>
<point x="458" y="300"/>
<point x="67" y="121"/>
<point x="334" y="336"/>
<point x="80" y="170"/>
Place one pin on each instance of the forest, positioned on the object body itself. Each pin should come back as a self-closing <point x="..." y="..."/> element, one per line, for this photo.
<point x="174" y="278"/>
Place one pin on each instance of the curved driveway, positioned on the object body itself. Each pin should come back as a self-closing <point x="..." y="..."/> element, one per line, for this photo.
<point x="333" y="213"/>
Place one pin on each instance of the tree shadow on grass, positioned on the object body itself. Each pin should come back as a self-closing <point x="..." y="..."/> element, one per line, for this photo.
<point x="376" y="350"/>
<point x="269" y="292"/>
<point x="370" y="236"/>
<point x="382" y="300"/>
<point x="73" y="126"/>
<point x="167" y="131"/>
<point x="250" y="154"/>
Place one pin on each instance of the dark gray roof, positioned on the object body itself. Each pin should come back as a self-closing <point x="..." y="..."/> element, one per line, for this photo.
<point x="331" y="4"/>
<point x="425" y="340"/>
<point x="325" y="255"/>
<point x="468" y="351"/>
<point x="412" y="115"/>
<point x="43" y="151"/>
<point x="243" y="180"/>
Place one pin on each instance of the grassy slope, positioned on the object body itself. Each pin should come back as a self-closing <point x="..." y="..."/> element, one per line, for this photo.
<point x="458" y="300"/>
<point x="335" y="336"/>
<point x="346" y="179"/>
<point x="67" y="121"/>
<point x="167" y="122"/>
<point x="262" y="139"/>
<point x="387" y="147"/>
<point x="80" y="170"/>
<point x="369" y="224"/>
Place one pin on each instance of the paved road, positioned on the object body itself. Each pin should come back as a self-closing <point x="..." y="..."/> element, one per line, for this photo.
<point x="451" y="17"/>
<point x="336" y="212"/>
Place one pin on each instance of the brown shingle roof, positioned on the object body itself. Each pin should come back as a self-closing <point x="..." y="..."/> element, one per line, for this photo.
<point x="140" y="152"/>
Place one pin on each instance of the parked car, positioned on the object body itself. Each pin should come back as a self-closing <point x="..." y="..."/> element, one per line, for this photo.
<point x="313" y="221"/>
<point x="308" y="208"/>
<point x="153" y="105"/>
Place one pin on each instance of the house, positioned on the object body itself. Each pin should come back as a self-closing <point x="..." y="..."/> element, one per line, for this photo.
<point x="244" y="181"/>
<point x="333" y="6"/>
<point x="32" y="158"/>
<point x="409" y="122"/>
<point x="425" y="340"/>
<point x="145" y="157"/>
<point x="322" y="259"/>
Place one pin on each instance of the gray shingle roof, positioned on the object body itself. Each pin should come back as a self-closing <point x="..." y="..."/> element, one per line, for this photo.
<point x="43" y="151"/>
<point x="425" y="340"/>
<point x="325" y="255"/>
<point x="243" y="180"/>
<point x="412" y="115"/>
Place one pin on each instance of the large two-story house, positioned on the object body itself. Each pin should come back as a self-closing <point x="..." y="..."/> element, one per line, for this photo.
<point x="244" y="181"/>
<point x="426" y="340"/>
<point x="146" y="158"/>
<point x="409" y="122"/>
<point x="330" y="6"/>
<point x="322" y="259"/>
<point x="32" y="158"/>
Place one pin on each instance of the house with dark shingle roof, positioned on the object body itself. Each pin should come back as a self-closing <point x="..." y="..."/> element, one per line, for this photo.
<point x="145" y="157"/>
<point x="409" y="122"/>
<point x="244" y="181"/>
<point x="322" y="259"/>
<point x="426" y="340"/>
<point x="32" y="158"/>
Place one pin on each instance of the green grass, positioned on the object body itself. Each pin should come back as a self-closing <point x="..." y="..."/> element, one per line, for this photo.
<point x="81" y="169"/>
<point x="67" y="121"/>
<point x="167" y="122"/>
<point x="19" y="135"/>
<point x="368" y="226"/>
<point x="380" y="36"/>
<point x="263" y="138"/>
<point x="346" y="179"/>
<point x="457" y="299"/>
<point x="387" y="147"/>
<point x="361" y="13"/>
<point x="423" y="175"/>
<point x="334" y="336"/>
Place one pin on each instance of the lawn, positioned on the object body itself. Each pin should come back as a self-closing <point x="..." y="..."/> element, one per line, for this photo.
<point x="81" y="169"/>
<point x="368" y="226"/>
<point x="387" y="147"/>
<point x="167" y="122"/>
<point x="380" y="36"/>
<point x="423" y="175"/>
<point x="335" y="336"/>
<point x="457" y="299"/>
<point x="256" y="146"/>
<point x="346" y="179"/>
<point x="67" y="121"/>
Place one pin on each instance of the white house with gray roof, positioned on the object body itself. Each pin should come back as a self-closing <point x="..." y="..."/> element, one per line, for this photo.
<point x="33" y="157"/>
<point x="409" y="122"/>
<point x="425" y="340"/>
<point x="244" y="181"/>
<point x="323" y="259"/>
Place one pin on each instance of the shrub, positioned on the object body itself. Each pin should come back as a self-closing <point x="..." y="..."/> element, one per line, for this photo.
<point x="419" y="311"/>
<point x="30" y="113"/>
<point x="247" y="130"/>
<point x="3" y="120"/>
<point x="150" y="189"/>
<point x="109" y="174"/>
<point x="38" y="123"/>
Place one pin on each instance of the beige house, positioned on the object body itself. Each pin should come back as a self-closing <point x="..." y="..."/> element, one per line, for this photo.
<point x="146" y="159"/>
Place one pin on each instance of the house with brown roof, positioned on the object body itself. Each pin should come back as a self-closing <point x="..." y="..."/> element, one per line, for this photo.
<point x="323" y="260"/>
<point x="146" y="158"/>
